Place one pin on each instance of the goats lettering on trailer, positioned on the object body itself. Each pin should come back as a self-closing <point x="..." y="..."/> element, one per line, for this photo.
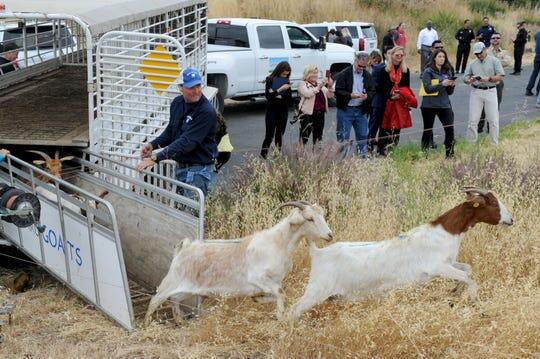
<point x="57" y="242"/>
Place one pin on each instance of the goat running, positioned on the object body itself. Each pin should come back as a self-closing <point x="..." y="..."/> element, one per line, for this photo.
<point x="355" y="270"/>
<point x="254" y="265"/>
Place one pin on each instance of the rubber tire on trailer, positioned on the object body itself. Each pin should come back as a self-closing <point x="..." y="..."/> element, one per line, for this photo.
<point x="8" y="194"/>
<point x="3" y="188"/>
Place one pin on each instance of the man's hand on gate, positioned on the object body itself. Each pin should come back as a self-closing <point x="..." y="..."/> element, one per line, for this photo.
<point x="4" y="153"/>
<point x="146" y="150"/>
<point x="145" y="163"/>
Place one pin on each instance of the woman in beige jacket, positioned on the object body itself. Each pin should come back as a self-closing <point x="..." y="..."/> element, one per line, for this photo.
<point x="313" y="104"/>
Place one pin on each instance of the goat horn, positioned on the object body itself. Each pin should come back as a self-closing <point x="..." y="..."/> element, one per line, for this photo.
<point x="57" y="155"/>
<point x="296" y="204"/>
<point x="481" y="191"/>
<point x="304" y="202"/>
<point x="42" y="154"/>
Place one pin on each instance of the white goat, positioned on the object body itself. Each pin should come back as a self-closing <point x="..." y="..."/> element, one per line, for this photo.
<point x="355" y="270"/>
<point x="254" y="265"/>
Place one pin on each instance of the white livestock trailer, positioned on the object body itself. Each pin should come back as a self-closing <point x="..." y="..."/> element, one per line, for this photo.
<point x="98" y="77"/>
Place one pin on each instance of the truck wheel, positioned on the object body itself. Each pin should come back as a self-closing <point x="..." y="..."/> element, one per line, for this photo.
<point x="220" y="102"/>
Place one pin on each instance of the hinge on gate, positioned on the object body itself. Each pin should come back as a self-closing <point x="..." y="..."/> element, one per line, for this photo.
<point x="92" y="87"/>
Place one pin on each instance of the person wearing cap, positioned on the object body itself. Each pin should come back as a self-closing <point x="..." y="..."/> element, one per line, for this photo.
<point x="423" y="45"/>
<point x="506" y="61"/>
<point x="8" y="59"/>
<point x="354" y="92"/>
<point x="483" y="74"/>
<point x="189" y="138"/>
<point x="464" y="36"/>
<point x="519" y="47"/>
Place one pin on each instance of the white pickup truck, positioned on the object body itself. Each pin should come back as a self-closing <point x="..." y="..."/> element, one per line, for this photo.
<point x="243" y="52"/>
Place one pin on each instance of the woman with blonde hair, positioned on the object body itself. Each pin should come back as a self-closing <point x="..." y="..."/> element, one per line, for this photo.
<point x="313" y="104"/>
<point x="347" y="35"/>
<point x="397" y="96"/>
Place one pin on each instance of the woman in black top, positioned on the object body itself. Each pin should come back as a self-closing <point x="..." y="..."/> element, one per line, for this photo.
<point x="278" y="95"/>
<point x="396" y="64"/>
<point x="438" y="78"/>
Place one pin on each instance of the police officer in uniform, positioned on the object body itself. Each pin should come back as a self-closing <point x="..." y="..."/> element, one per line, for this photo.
<point x="464" y="36"/>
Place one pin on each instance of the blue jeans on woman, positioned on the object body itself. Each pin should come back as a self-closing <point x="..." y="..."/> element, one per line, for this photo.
<point x="353" y="117"/>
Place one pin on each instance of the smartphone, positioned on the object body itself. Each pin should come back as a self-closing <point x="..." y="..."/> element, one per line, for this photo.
<point x="328" y="74"/>
<point x="453" y="78"/>
<point x="478" y="78"/>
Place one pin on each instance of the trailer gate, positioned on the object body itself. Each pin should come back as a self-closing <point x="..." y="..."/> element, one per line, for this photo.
<point x="75" y="248"/>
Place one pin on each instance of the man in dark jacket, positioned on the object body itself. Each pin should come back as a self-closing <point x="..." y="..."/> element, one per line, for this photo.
<point x="190" y="136"/>
<point x="464" y="36"/>
<point x="484" y="32"/>
<point x="519" y="47"/>
<point x="354" y="92"/>
<point x="8" y="58"/>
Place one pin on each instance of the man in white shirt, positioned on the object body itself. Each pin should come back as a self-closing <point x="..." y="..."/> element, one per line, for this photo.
<point x="423" y="45"/>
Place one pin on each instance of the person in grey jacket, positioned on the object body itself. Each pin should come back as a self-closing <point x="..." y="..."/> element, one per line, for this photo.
<point x="438" y="78"/>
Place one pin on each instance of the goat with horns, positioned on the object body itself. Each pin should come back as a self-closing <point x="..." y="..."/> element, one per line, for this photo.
<point x="355" y="270"/>
<point x="251" y="266"/>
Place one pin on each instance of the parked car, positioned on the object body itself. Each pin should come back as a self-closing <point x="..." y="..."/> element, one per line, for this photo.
<point x="363" y="34"/>
<point x="40" y="40"/>
<point x="243" y="52"/>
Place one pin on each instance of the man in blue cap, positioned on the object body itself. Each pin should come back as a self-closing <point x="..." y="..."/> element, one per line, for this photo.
<point x="190" y="136"/>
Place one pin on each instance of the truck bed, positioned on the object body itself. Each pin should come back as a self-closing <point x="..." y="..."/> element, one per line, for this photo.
<point x="49" y="110"/>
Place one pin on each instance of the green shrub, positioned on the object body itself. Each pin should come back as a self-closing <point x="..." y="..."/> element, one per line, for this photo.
<point x="446" y="24"/>
<point x="487" y="7"/>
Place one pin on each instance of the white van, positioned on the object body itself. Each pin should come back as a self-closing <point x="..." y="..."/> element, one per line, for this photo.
<point x="363" y="34"/>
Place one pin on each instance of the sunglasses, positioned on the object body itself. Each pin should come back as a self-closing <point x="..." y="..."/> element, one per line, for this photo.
<point x="439" y="47"/>
<point x="495" y="38"/>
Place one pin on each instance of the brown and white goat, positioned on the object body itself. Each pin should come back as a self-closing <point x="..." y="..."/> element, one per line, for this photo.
<point x="355" y="270"/>
<point x="52" y="165"/>
<point x="253" y="265"/>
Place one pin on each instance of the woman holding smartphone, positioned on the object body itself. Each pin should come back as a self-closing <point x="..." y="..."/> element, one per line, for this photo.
<point x="313" y="104"/>
<point x="439" y="83"/>
<point x="278" y="95"/>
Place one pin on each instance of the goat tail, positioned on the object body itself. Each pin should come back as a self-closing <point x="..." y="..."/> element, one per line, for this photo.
<point x="186" y="242"/>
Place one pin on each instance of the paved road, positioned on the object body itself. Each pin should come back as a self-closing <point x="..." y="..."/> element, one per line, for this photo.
<point x="246" y="119"/>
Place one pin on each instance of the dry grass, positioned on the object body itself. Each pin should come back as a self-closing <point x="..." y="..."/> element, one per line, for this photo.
<point x="365" y="201"/>
<point x="448" y="16"/>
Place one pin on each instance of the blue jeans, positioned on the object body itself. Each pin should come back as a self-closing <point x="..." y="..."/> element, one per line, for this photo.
<point x="534" y="75"/>
<point x="353" y="117"/>
<point x="203" y="177"/>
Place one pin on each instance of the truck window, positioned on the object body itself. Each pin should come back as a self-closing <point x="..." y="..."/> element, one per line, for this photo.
<point x="270" y="37"/>
<point x="352" y="29"/>
<point x="229" y="35"/>
<point x="299" y="38"/>
<point x="369" y="31"/>
<point x="318" y="31"/>
<point x="44" y="37"/>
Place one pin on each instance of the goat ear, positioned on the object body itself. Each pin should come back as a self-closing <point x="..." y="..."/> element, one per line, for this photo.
<point x="67" y="158"/>
<point x="38" y="162"/>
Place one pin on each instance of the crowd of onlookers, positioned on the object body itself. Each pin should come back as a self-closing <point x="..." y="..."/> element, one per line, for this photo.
<point x="373" y="96"/>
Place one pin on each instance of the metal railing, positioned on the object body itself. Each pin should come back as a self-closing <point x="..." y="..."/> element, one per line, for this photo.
<point x="74" y="219"/>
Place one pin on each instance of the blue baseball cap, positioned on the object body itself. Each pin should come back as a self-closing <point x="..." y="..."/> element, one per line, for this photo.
<point x="191" y="77"/>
